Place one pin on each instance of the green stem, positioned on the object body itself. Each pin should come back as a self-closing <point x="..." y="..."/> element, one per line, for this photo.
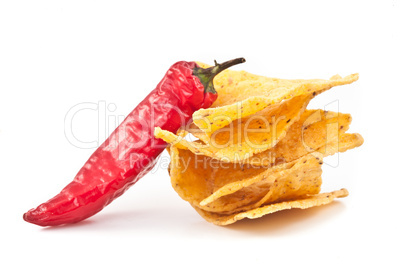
<point x="207" y="75"/>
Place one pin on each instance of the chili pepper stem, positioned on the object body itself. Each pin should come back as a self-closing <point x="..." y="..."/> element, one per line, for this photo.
<point x="207" y="75"/>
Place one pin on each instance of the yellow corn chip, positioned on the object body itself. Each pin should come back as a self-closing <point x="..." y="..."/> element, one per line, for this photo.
<point x="234" y="86"/>
<point x="346" y="142"/>
<point x="284" y="182"/>
<point x="315" y="129"/>
<point x="308" y="202"/>
<point x="246" y="136"/>
<point x="195" y="177"/>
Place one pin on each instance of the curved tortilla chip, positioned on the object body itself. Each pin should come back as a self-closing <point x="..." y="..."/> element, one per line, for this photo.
<point x="195" y="177"/>
<point x="196" y="147"/>
<point x="312" y="201"/>
<point x="246" y="136"/>
<point x="315" y="129"/>
<point x="234" y="86"/>
<point x="284" y="182"/>
<point x="346" y="142"/>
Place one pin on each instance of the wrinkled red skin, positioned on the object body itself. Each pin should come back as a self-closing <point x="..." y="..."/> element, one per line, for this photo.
<point x="130" y="151"/>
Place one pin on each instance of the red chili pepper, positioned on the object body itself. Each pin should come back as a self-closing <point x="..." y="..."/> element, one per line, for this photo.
<point x="132" y="150"/>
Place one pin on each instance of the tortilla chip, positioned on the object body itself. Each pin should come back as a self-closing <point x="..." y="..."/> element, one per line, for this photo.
<point x="247" y="136"/>
<point x="346" y="142"/>
<point x="234" y="86"/>
<point x="283" y="182"/>
<point x="315" y="129"/>
<point x="196" y="147"/>
<point x="308" y="202"/>
<point x="195" y="177"/>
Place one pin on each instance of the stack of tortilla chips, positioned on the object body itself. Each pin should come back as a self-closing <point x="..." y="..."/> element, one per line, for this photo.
<point x="258" y="149"/>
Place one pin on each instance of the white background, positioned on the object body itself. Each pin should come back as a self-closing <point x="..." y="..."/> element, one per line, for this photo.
<point x="55" y="55"/>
